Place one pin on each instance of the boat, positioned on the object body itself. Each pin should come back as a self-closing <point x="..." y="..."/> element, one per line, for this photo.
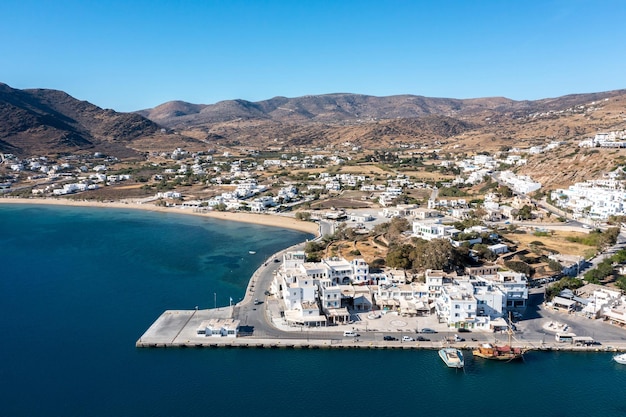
<point x="251" y="252"/>
<point x="499" y="353"/>
<point x="620" y="358"/>
<point x="452" y="357"/>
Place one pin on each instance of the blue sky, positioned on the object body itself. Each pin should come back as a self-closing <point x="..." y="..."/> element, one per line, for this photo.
<point x="131" y="55"/>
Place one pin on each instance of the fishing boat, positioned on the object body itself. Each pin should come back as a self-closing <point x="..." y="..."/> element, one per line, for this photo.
<point x="620" y="358"/>
<point x="453" y="358"/>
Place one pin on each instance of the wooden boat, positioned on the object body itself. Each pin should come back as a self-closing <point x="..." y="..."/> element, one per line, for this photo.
<point x="499" y="353"/>
<point x="453" y="358"/>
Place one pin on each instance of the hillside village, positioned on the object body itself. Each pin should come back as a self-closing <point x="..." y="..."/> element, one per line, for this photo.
<point x="476" y="203"/>
<point x="247" y="180"/>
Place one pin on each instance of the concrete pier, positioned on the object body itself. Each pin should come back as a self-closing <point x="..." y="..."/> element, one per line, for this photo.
<point x="177" y="328"/>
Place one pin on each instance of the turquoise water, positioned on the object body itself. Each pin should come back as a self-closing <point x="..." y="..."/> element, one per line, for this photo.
<point x="79" y="286"/>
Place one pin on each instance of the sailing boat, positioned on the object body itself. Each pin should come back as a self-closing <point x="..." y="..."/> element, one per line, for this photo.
<point x="499" y="353"/>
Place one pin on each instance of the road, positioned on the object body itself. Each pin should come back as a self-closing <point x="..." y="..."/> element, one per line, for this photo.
<point x="256" y="319"/>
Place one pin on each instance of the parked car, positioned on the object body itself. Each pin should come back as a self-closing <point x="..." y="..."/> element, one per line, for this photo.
<point x="427" y="330"/>
<point x="422" y="339"/>
<point x="350" y="333"/>
<point x="407" y="339"/>
<point x="390" y="338"/>
<point x="464" y="330"/>
<point x="458" y="338"/>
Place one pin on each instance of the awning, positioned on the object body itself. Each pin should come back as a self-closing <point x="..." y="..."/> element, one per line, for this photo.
<point x="563" y="302"/>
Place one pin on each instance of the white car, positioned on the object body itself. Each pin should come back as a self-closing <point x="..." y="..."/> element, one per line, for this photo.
<point x="407" y="339"/>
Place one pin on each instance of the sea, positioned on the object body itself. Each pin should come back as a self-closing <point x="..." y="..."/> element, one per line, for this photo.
<point x="78" y="287"/>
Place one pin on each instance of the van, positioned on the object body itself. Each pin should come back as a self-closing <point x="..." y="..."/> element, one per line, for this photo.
<point x="350" y="333"/>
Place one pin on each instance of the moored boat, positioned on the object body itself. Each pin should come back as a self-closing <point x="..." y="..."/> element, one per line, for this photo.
<point x="453" y="358"/>
<point x="500" y="353"/>
<point x="620" y="358"/>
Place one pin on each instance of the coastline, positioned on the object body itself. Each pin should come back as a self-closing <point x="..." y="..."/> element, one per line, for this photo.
<point x="270" y="220"/>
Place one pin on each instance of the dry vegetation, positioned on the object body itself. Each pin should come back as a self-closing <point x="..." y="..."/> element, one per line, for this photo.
<point x="368" y="249"/>
<point x="556" y="242"/>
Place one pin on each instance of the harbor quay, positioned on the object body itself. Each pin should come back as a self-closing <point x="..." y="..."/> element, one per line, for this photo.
<point x="178" y="328"/>
<point x="257" y="321"/>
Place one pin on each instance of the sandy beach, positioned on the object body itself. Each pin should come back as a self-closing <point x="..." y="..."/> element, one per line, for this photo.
<point x="272" y="220"/>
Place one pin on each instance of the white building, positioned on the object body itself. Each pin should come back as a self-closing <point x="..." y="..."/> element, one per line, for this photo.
<point x="521" y="184"/>
<point x="301" y="285"/>
<point x="457" y="305"/>
<point x="218" y="328"/>
<point x="434" y="229"/>
<point x="595" y="199"/>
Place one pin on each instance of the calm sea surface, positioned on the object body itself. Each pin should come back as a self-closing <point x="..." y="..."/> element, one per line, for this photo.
<point x="79" y="286"/>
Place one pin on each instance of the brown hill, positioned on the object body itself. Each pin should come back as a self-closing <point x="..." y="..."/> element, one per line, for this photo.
<point x="328" y="108"/>
<point x="48" y="121"/>
<point x="44" y="121"/>
<point x="465" y="125"/>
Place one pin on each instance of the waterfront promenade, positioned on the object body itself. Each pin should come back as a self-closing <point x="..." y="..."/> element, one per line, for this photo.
<point x="177" y="328"/>
<point x="263" y="327"/>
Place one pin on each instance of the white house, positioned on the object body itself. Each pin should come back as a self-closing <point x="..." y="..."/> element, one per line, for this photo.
<point x="429" y="230"/>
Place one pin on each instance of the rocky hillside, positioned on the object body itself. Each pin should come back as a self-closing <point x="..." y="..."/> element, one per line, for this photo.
<point x="378" y="122"/>
<point x="329" y="108"/>
<point x="47" y="121"/>
<point x="44" y="121"/>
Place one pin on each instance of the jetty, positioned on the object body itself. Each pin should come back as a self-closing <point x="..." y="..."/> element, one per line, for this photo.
<point x="179" y="329"/>
<point x="260" y="325"/>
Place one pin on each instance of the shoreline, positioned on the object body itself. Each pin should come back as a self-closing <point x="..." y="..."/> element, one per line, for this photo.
<point x="270" y="220"/>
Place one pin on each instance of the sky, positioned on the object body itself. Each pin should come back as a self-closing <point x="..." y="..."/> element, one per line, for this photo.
<point x="130" y="55"/>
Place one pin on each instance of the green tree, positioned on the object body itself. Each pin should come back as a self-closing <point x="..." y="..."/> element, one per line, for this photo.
<point x="483" y="252"/>
<point x="525" y="213"/>
<point x="303" y="215"/>
<point x="397" y="225"/>
<point x="398" y="256"/>
<point x="504" y="191"/>
<point x="555" y="265"/>
<point x="519" y="266"/>
<point x="434" y="254"/>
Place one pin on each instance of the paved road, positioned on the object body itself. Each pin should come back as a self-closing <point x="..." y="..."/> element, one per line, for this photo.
<point x="256" y="318"/>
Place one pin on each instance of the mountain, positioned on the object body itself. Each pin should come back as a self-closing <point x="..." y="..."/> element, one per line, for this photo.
<point x="379" y="122"/>
<point x="41" y="121"/>
<point x="338" y="108"/>
<point x="328" y="108"/>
